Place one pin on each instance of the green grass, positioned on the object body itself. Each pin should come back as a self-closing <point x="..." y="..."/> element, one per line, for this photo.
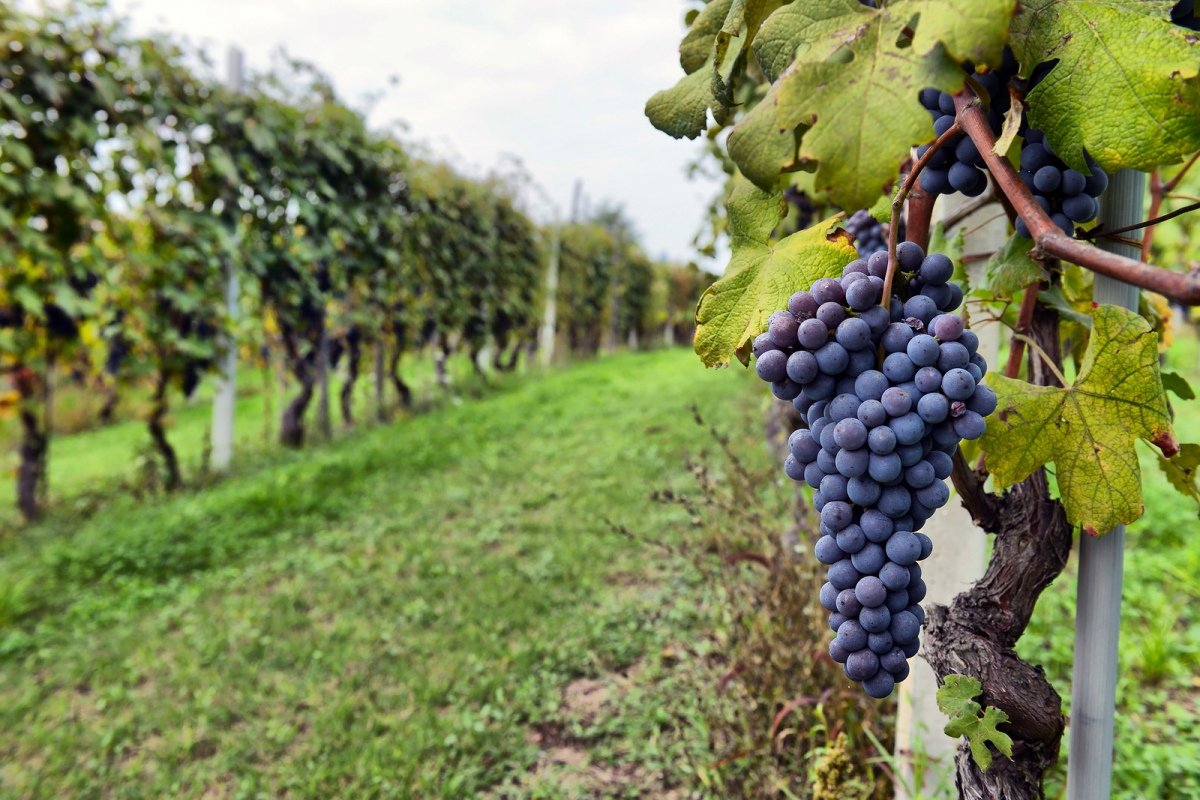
<point x="385" y="616"/>
<point x="397" y="613"/>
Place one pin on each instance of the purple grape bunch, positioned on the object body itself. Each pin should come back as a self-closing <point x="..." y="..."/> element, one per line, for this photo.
<point x="888" y="394"/>
<point x="870" y="235"/>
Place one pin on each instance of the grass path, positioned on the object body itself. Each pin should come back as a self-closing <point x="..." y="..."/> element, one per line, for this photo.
<point x="382" y="617"/>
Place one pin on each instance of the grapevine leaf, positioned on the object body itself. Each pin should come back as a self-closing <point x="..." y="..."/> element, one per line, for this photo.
<point x="1087" y="430"/>
<point x="760" y="148"/>
<point x="682" y="110"/>
<point x="733" y="40"/>
<point x="881" y="211"/>
<point x="1181" y="470"/>
<point x="955" y="698"/>
<point x="1055" y="298"/>
<point x="697" y="45"/>
<point x="1125" y="86"/>
<point x="974" y="30"/>
<point x="1010" y="269"/>
<point x="1173" y="381"/>
<point x="762" y="275"/>
<point x="857" y="89"/>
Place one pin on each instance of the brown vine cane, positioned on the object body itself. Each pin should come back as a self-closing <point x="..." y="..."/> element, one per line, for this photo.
<point x="898" y="203"/>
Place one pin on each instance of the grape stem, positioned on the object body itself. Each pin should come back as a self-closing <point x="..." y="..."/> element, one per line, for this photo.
<point x="1048" y="238"/>
<point x="1099" y="231"/>
<point x="898" y="203"/>
<point x="1042" y="353"/>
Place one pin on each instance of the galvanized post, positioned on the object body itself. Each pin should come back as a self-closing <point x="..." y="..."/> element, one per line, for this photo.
<point x="1101" y="560"/>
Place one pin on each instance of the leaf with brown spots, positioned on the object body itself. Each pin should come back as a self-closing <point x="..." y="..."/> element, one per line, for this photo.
<point x="1087" y="430"/>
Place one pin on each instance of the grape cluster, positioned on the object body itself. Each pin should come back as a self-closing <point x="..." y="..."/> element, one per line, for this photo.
<point x="887" y="393"/>
<point x="870" y="236"/>
<point x="958" y="166"/>
<point x="1065" y="195"/>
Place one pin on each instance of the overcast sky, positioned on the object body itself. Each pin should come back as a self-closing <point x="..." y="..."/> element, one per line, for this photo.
<point x="559" y="85"/>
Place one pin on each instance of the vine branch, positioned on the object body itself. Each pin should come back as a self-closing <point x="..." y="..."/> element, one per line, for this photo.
<point x="1024" y="321"/>
<point x="898" y="202"/>
<point x="1048" y="237"/>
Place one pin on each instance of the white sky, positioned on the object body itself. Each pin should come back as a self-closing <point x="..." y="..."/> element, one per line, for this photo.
<point x="560" y="85"/>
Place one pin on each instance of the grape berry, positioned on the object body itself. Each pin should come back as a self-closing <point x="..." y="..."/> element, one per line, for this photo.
<point x="887" y="393"/>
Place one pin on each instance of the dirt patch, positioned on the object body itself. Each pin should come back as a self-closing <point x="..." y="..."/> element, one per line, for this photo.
<point x="584" y="698"/>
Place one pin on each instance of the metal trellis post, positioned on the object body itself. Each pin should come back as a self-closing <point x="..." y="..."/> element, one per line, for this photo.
<point x="1101" y="560"/>
<point x="226" y="396"/>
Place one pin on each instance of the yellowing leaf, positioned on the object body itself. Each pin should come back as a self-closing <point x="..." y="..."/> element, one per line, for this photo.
<point x="1125" y="86"/>
<point x="760" y="148"/>
<point x="862" y="106"/>
<point x="955" y="700"/>
<point x="762" y="275"/>
<point x="1087" y="430"/>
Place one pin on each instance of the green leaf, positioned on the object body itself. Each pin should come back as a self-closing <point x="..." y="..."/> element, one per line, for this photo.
<point x="1055" y="298"/>
<point x="1181" y="470"/>
<point x="1087" y="430"/>
<point x="1010" y="269"/>
<point x="712" y="55"/>
<point x="762" y="274"/>
<point x="1125" y="85"/>
<point x="1174" y="382"/>
<point x="733" y="42"/>
<point x="862" y="106"/>
<point x="760" y="148"/>
<point x="881" y="211"/>
<point x="974" y="30"/>
<point x="955" y="698"/>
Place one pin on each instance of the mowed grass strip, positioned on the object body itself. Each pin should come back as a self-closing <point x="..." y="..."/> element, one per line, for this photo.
<point x="385" y="616"/>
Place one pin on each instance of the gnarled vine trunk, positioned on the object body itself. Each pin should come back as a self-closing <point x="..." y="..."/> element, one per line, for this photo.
<point x="402" y="390"/>
<point x="291" y="424"/>
<point x="976" y="635"/>
<point x="511" y="364"/>
<point x="34" y="441"/>
<point x="158" y="432"/>
<point x="353" y="354"/>
<point x="380" y="409"/>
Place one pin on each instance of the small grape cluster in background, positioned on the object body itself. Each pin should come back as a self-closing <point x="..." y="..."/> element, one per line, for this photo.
<point x="870" y="236"/>
<point x="1065" y="195"/>
<point x="958" y="166"/>
<point x="880" y="436"/>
